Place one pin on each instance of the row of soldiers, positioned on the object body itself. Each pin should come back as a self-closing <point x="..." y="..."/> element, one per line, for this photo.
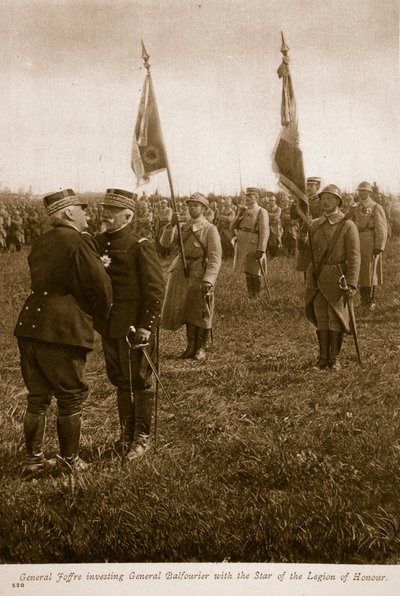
<point x="115" y="284"/>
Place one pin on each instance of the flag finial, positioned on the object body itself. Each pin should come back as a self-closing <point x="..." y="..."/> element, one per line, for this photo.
<point x="284" y="47"/>
<point x="145" y="57"/>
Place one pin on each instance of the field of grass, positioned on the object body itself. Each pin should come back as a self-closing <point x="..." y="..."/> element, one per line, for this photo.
<point x="258" y="458"/>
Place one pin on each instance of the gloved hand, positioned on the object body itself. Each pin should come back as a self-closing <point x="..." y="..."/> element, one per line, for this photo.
<point x="138" y="336"/>
<point x="351" y="290"/>
<point x="259" y="254"/>
<point x="377" y="251"/>
<point x="142" y="336"/>
<point x="174" y="219"/>
<point x="206" y="286"/>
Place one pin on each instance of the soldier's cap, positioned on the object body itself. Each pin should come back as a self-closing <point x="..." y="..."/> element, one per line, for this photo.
<point x="332" y="189"/>
<point x="365" y="186"/>
<point x="122" y="199"/>
<point x="314" y="180"/>
<point x="251" y="190"/>
<point x="60" y="199"/>
<point x="197" y="197"/>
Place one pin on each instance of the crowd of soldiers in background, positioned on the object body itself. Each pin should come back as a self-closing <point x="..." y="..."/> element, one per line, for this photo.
<point x="23" y="219"/>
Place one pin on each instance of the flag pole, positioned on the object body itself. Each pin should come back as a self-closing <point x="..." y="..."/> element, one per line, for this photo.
<point x="146" y="58"/>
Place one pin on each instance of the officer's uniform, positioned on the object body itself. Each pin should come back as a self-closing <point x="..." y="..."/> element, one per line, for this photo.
<point x="252" y="233"/>
<point x="138" y="289"/>
<point x="324" y="302"/>
<point x="314" y="210"/>
<point x="371" y="223"/>
<point x="55" y="329"/>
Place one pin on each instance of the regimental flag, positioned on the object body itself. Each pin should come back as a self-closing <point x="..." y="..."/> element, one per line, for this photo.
<point x="287" y="155"/>
<point x="148" y="152"/>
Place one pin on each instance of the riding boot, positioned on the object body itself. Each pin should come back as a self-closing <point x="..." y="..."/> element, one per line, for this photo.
<point x="256" y="285"/>
<point x="69" y="432"/>
<point x="250" y="285"/>
<point x="202" y="337"/>
<point x="336" y="339"/>
<point x="126" y="416"/>
<point x="323" y="341"/>
<point x="143" y="413"/>
<point x="190" y="349"/>
<point x="34" y="426"/>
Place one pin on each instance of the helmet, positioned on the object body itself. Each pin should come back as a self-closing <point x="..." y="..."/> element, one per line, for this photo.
<point x="333" y="190"/>
<point x="197" y="197"/>
<point x="365" y="186"/>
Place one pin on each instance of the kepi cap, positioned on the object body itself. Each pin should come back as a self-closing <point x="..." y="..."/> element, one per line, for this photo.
<point x="251" y="190"/>
<point x="197" y="197"/>
<point x="333" y="190"/>
<point x="314" y="180"/>
<point x="60" y="199"/>
<point x="123" y="199"/>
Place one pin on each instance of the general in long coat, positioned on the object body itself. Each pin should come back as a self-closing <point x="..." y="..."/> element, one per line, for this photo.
<point x="252" y="229"/>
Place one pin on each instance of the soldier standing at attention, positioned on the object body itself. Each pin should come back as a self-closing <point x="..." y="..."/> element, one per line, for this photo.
<point x="138" y="289"/>
<point x="371" y="223"/>
<point x="252" y="227"/>
<point x="335" y="252"/>
<point x="190" y="300"/>
<point x="55" y="331"/>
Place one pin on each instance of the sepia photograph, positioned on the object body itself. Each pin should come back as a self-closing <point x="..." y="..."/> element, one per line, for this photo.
<point x="200" y="297"/>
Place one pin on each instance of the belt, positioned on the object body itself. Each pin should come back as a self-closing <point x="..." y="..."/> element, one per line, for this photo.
<point x="248" y="230"/>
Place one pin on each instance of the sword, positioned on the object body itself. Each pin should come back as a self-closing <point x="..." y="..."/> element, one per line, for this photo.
<point x="353" y="328"/>
<point x="153" y="367"/>
<point x="261" y="262"/>
<point x="372" y="290"/>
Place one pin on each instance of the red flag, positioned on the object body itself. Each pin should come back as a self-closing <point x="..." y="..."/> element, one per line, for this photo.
<point x="148" y="152"/>
<point x="287" y="156"/>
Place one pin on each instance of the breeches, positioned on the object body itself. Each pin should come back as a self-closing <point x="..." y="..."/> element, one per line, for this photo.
<point x="53" y="369"/>
<point x="325" y="315"/>
<point x="116" y="354"/>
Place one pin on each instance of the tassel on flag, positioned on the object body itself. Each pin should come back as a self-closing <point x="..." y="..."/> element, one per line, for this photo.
<point x="148" y="152"/>
<point x="287" y="155"/>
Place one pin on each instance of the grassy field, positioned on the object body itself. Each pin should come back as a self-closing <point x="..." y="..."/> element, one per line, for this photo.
<point x="258" y="458"/>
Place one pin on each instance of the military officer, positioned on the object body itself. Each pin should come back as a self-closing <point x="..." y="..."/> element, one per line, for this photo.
<point x="189" y="300"/>
<point x="252" y="232"/>
<point x="313" y="184"/>
<point x="371" y="223"/>
<point x="275" y="225"/>
<point x="55" y="331"/>
<point x="335" y="252"/>
<point x="138" y="289"/>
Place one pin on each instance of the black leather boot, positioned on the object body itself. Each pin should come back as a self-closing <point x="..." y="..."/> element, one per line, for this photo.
<point x="324" y="342"/>
<point x="143" y="413"/>
<point x="336" y="340"/>
<point x="69" y="432"/>
<point x="202" y="337"/>
<point x="126" y="416"/>
<point x="190" y="350"/>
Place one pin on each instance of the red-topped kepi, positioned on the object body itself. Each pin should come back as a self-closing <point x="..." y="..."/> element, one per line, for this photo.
<point x="123" y="199"/>
<point x="60" y="199"/>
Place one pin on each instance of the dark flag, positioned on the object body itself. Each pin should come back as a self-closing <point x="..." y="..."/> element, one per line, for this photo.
<point x="287" y="154"/>
<point x="148" y="152"/>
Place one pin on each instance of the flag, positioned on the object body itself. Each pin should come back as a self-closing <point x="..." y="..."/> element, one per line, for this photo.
<point x="287" y="155"/>
<point x="148" y="152"/>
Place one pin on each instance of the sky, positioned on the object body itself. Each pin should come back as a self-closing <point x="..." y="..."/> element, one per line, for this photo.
<point x="72" y="75"/>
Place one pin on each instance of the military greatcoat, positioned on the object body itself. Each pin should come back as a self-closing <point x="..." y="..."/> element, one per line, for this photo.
<point x="371" y="223"/>
<point x="343" y="260"/>
<point x="252" y="235"/>
<point x="184" y="300"/>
